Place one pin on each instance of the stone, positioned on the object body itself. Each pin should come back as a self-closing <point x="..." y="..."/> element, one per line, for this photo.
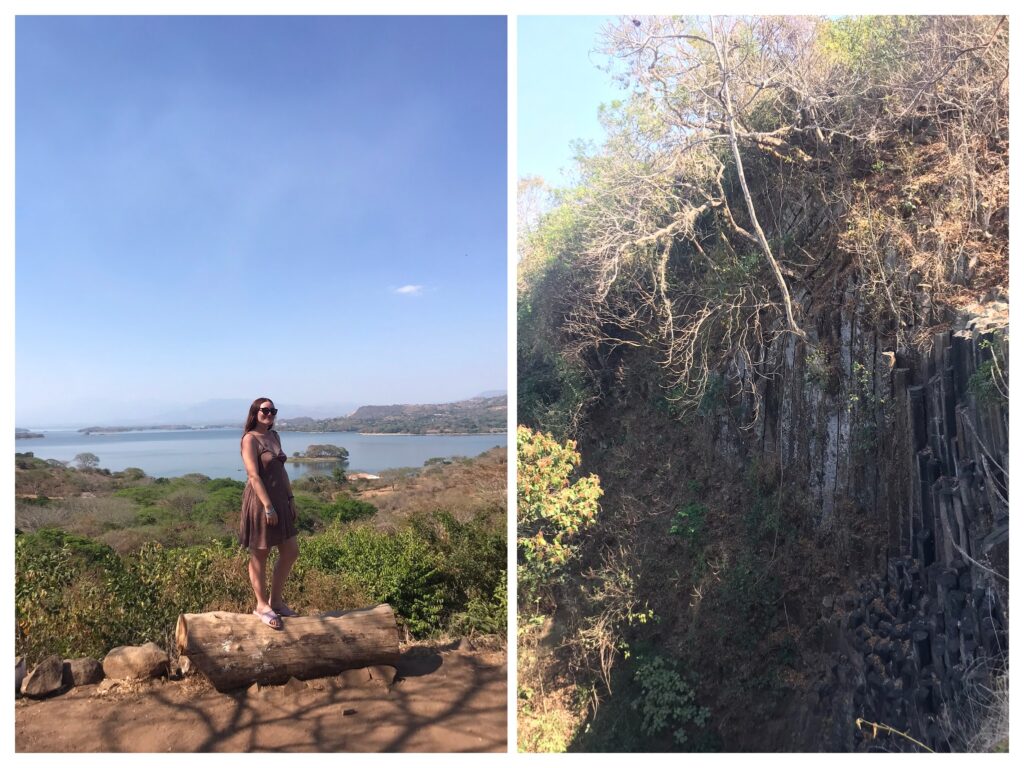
<point x="136" y="662"/>
<point x="19" y="674"/>
<point x="827" y="602"/>
<point x="293" y="686"/>
<point x="354" y="677"/>
<point x="107" y="685"/>
<point x="47" y="678"/>
<point x="84" y="671"/>
<point x="383" y="673"/>
<point x="465" y="644"/>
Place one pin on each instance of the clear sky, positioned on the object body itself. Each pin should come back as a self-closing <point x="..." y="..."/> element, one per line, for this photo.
<point x="308" y="208"/>
<point x="561" y="85"/>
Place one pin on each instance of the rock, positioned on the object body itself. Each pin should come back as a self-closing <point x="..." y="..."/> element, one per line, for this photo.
<point x="45" y="679"/>
<point x="136" y="662"/>
<point x="84" y="671"/>
<point x="293" y="686"/>
<point x="382" y="673"/>
<point x="19" y="674"/>
<point x="107" y="685"/>
<point x="465" y="644"/>
<point x="827" y="602"/>
<point x="355" y="677"/>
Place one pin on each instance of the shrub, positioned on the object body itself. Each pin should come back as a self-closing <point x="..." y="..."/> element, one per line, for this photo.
<point x="551" y="508"/>
<point x="689" y="521"/>
<point x="221" y="505"/>
<point x="666" y="701"/>
<point x="348" y="509"/>
<point x="395" y="568"/>
<point x="75" y="596"/>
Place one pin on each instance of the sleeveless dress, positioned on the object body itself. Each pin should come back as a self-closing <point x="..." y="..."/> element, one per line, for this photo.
<point x="253" y="530"/>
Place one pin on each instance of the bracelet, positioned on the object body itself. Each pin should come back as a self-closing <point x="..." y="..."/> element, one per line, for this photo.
<point x="269" y="510"/>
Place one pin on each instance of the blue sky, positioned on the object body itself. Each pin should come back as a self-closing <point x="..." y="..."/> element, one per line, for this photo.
<point x="561" y="86"/>
<point x="218" y="207"/>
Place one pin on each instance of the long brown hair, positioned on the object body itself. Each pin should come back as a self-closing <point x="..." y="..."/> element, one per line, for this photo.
<point x="250" y="422"/>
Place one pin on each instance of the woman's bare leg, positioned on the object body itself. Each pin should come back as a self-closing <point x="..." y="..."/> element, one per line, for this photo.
<point x="258" y="577"/>
<point x="287" y="554"/>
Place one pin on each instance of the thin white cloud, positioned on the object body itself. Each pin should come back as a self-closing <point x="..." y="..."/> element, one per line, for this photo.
<point x="409" y="290"/>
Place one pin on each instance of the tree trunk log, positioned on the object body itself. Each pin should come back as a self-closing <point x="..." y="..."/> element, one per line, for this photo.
<point x="236" y="650"/>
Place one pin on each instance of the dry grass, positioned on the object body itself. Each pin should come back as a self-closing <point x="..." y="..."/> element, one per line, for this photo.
<point x="549" y="715"/>
<point x="463" y="488"/>
<point x="86" y="516"/>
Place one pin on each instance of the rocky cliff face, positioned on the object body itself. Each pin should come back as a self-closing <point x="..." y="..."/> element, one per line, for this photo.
<point x="920" y="639"/>
<point x="917" y="445"/>
<point x="881" y="582"/>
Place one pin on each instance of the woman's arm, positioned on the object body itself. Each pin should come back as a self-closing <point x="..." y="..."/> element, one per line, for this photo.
<point x="288" y="482"/>
<point x="251" y="458"/>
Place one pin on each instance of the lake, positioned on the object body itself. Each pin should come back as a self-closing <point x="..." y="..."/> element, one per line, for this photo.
<point x="215" y="452"/>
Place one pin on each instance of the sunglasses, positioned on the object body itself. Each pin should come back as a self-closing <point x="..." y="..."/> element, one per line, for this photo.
<point x="271" y="411"/>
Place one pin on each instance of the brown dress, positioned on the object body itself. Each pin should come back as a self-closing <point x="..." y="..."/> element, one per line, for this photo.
<point x="253" y="530"/>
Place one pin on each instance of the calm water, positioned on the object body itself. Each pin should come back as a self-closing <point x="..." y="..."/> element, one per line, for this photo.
<point x="215" y="452"/>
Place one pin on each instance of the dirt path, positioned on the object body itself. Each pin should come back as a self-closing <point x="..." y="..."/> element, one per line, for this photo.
<point x="442" y="701"/>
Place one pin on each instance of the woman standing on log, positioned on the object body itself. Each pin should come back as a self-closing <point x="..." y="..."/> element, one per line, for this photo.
<point x="268" y="511"/>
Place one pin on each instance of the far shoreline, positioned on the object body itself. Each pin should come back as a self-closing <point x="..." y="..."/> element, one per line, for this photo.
<point x="430" y="434"/>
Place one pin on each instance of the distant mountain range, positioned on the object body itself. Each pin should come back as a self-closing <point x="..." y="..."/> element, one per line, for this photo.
<point x="210" y="413"/>
<point x="476" y="415"/>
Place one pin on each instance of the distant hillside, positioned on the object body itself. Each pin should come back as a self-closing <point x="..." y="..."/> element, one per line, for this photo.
<point x="478" y="415"/>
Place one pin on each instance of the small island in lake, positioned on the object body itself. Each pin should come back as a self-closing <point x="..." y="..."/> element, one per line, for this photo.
<point x="22" y="434"/>
<point x="321" y="453"/>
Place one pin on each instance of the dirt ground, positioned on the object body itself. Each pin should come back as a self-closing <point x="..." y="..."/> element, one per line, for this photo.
<point x="442" y="700"/>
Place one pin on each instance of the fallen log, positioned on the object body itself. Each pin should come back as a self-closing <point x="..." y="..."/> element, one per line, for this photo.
<point x="236" y="650"/>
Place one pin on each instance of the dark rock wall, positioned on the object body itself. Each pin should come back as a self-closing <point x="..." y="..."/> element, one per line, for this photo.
<point x="903" y="442"/>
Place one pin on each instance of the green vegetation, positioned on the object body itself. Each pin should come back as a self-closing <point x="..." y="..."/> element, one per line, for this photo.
<point x="119" y="564"/>
<point x="666" y="702"/>
<point x="990" y="381"/>
<point x="551" y="511"/>
<point x="689" y="521"/>
<point x="332" y="453"/>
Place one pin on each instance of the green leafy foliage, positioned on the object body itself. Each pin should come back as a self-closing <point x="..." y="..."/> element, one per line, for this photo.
<point x="666" y="703"/>
<point x="398" y="568"/>
<point x="75" y="596"/>
<point x="989" y="382"/>
<point x="689" y="521"/>
<point x="552" y="508"/>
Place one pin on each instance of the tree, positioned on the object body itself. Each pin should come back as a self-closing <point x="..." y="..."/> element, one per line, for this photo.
<point x="531" y="202"/>
<point x="710" y="78"/>
<point x="327" y="452"/>
<point x="87" y="460"/>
